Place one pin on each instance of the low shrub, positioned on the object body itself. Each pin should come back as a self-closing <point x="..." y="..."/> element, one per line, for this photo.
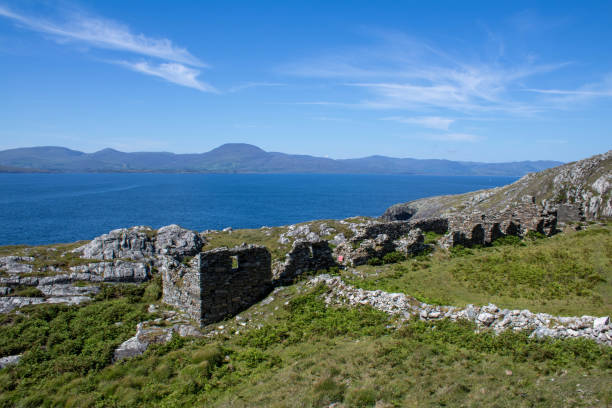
<point x="375" y="261"/>
<point x="393" y="257"/>
<point x="508" y="240"/>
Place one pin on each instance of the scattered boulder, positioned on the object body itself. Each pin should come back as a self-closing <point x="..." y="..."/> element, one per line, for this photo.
<point x="176" y="241"/>
<point x="9" y="361"/>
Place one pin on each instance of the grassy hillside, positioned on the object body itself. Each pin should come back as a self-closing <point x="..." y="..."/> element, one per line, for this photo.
<point x="294" y="351"/>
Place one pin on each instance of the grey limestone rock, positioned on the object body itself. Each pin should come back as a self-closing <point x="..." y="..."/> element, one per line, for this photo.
<point x="16" y="264"/>
<point x="116" y="271"/>
<point x="176" y="241"/>
<point x="338" y="239"/>
<point x="9" y="303"/>
<point x="134" y="243"/>
<point x="9" y="360"/>
<point x="157" y="331"/>
<point x="61" y="290"/>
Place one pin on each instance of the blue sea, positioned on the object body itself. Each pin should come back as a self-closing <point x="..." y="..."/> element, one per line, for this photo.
<point x="50" y="208"/>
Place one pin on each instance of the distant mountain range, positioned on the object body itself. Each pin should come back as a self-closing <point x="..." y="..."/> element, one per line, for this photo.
<point x="243" y="158"/>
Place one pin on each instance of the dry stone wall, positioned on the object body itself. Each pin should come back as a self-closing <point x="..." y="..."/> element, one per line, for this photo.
<point x="218" y="283"/>
<point x="304" y="256"/>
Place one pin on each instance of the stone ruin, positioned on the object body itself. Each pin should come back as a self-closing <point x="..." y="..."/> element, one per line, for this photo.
<point x="304" y="256"/>
<point x="209" y="286"/>
<point x="218" y="283"/>
<point x="482" y="228"/>
<point x="222" y="282"/>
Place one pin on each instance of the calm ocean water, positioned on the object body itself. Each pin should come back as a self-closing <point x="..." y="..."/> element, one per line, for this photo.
<point x="50" y="208"/>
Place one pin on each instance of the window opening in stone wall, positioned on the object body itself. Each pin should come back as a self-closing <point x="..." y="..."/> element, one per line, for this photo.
<point x="234" y="261"/>
<point x="310" y="251"/>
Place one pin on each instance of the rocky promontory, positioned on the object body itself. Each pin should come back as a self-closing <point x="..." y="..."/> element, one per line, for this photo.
<point x="575" y="191"/>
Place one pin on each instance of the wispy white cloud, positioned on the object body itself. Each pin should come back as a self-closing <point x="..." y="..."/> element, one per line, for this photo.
<point x="432" y="122"/>
<point x="400" y="72"/>
<point x="103" y="33"/>
<point x="97" y="32"/>
<point x="571" y="92"/>
<point x="569" y="98"/>
<point x="172" y="72"/>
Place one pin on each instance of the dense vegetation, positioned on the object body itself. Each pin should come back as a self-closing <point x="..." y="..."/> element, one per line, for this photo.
<point x="307" y="354"/>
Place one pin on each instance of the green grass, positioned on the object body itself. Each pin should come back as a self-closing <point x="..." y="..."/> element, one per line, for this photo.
<point x="568" y="274"/>
<point x="26" y="291"/>
<point x="305" y="354"/>
<point x="55" y="255"/>
<point x="310" y="355"/>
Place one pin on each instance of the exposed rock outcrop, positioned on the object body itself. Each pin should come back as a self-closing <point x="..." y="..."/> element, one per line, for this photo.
<point x="156" y="331"/>
<point x="115" y="271"/>
<point x="177" y="242"/>
<point x="9" y="303"/>
<point x="135" y="243"/>
<point x="127" y="255"/>
<point x="143" y="244"/>
<point x="16" y="264"/>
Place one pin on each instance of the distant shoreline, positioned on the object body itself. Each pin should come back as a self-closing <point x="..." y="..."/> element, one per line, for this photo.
<point x="240" y="158"/>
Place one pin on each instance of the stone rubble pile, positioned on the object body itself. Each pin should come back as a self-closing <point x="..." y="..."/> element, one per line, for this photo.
<point x="490" y="316"/>
<point x="304" y="232"/>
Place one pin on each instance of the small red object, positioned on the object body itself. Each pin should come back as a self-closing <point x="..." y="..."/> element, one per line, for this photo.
<point x="340" y="258"/>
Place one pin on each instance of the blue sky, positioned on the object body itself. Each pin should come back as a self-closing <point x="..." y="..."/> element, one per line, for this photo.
<point x="482" y="81"/>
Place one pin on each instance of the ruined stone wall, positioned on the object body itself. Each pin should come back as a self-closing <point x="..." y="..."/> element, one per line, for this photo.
<point x="227" y="290"/>
<point x="182" y="287"/>
<point x="396" y="229"/>
<point x="304" y="256"/>
<point x="482" y="228"/>
<point x="211" y="288"/>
